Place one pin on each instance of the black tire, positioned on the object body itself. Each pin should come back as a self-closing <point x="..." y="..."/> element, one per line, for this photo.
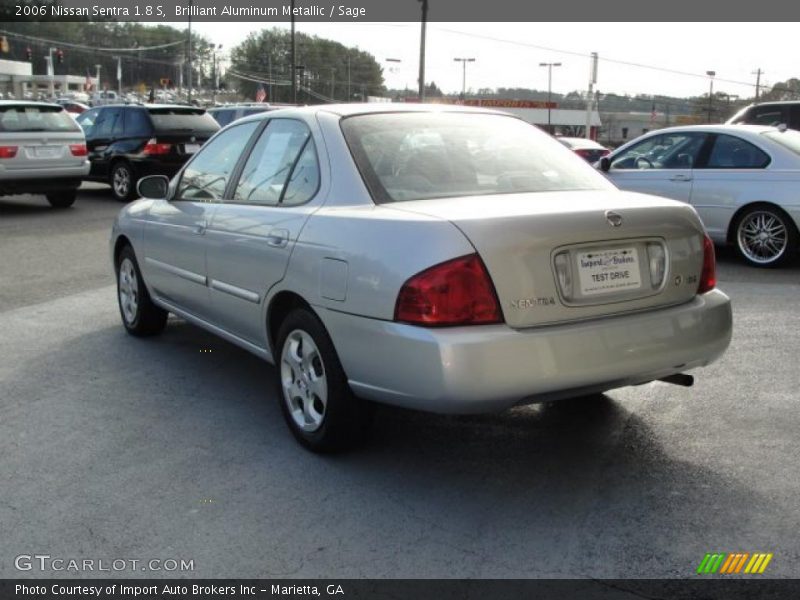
<point x="122" y="180"/>
<point x="747" y="224"/>
<point x="345" y="419"/>
<point x="145" y="318"/>
<point x="62" y="199"/>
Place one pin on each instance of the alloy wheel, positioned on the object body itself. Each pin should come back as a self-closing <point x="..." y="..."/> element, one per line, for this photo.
<point x="304" y="381"/>
<point x="762" y="237"/>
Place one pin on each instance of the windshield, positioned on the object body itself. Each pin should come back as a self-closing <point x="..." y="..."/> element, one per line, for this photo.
<point x="418" y="156"/>
<point x="36" y="118"/>
<point x="183" y="119"/>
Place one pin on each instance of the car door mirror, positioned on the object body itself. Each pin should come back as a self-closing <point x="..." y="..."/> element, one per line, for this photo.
<point x="153" y="187"/>
<point x="605" y="164"/>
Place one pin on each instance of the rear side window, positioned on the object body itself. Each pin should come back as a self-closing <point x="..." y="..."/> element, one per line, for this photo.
<point x="731" y="152"/>
<point x="275" y="157"/>
<point x="137" y="123"/>
<point x="207" y="175"/>
<point x="794" y="116"/>
<point x="24" y="118"/>
<point x="182" y="120"/>
<point x="108" y="123"/>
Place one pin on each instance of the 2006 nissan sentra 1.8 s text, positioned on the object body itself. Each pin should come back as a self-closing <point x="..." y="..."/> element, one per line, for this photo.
<point x="438" y="258"/>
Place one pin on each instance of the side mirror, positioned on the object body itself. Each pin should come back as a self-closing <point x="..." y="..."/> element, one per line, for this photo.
<point x="605" y="164"/>
<point x="153" y="187"/>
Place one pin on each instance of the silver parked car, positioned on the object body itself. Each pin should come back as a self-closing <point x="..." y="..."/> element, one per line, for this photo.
<point x="743" y="180"/>
<point x="438" y="258"/>
<point x="42" y="151"/>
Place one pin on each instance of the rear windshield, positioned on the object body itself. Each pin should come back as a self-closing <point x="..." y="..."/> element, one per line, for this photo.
<point x="789" y="139"/>
<point x="36" y="118"/>
<point x="418" y="156"/>
<point x="194" y="120"/>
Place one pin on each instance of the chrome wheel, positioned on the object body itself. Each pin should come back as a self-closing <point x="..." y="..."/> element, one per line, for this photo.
<point x="762" y="237"/>
<point x="128" y="291"/>
<point x="121" y="181"/>
<point x="304" y="381"/>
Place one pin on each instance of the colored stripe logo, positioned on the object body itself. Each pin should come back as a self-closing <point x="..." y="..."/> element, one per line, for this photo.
<point x="734" y="563"/>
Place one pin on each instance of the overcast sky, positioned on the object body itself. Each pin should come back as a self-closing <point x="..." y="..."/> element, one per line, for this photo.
<point x="508" y="54"/>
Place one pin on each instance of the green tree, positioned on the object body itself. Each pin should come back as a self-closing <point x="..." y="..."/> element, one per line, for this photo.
<point x="785" y="90"/>
<point x="327" y="70"/>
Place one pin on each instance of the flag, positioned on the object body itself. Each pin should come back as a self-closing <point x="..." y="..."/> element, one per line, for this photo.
<point x="653" y="112"/>
<point x="87" y="85"/>
<point x="261" y="94"/>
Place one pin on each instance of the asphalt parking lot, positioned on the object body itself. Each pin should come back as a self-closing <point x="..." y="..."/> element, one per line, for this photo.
<point x="174" y="447"/>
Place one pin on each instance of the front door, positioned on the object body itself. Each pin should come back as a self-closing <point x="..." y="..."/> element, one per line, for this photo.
<point x="175" y="234"/>
<point x="660" y="164"/>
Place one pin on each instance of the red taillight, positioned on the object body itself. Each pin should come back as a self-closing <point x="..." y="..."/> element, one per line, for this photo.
<point x="154" y="148"/>
<point x="583" y="153"/>
<point x="8" y="151"/>
<point x="605" y="153"/>
<point x="456" y="292"/>
<point x="708" y="276"/>
<point x="78" y="149"/>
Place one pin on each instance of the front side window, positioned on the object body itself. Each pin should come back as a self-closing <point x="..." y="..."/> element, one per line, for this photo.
<point x="731" y="152"/>
<point x="275" y="158"/>
<point x="417" y="156"/>
<point x="87" y="120"/>
<point x="666" y="151"/>
<point x="207" y="175"/>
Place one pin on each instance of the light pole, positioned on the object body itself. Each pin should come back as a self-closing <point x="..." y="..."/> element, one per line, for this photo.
<point x="710" y="92"/>
<point x="549" y="90"/>
<point x="99" y="92"/>
<point x="464" y="62"/>
<point x="189" y="56"/>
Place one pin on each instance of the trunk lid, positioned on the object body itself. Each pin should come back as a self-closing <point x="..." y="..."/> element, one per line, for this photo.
<point x="557" y="257"/>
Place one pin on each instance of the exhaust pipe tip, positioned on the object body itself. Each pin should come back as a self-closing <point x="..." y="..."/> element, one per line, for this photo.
<point x="681" y="379"/>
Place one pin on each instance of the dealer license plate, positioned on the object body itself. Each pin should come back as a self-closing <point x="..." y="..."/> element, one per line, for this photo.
<point x="609" y="270"/>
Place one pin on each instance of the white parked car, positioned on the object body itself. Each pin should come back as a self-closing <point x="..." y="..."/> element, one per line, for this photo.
<point x="743" y="180"/>
<point x="374" y="253"/>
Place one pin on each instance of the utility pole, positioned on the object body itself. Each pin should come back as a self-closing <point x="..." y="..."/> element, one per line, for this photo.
<point x="758" y="73"/>
<point x="422" y="50"/>
<point x="464" y="62"/>
<point x="189" y="57"/>
<point x="549" y="91"/>
<point x="333" y="80"/>
<point x="294" y="73"/>
<point x="349" y="92"/>
<point x="592" y="82"/>
<point x="99" y="92"/>
<point x="269" y="84"/>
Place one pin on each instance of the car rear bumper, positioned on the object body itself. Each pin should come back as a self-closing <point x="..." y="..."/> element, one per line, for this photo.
<point x="42" y="181"/>
<point x="151" y="166"/>
<point x="486" y="368"/>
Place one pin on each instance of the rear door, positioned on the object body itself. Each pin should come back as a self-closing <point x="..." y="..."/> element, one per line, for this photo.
<point x="175" y="234"/>
<point x="660" y="165"/>
<point x="253" y="232"/>
<point x="732" y="168"/>
<point x="107" y="127"/>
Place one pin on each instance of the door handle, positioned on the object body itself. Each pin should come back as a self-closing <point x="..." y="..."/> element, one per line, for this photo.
<point x="200" y="228"/>
<point x="278" y="238"/>
<point x="680" y="178"/>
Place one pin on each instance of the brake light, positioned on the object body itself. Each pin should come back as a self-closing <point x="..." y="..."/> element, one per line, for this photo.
<point x="583" y="153"/>
<point x="78" y="149"/>
<point x="8" y="151"/>
<point x="456" y="292"/>
<point x="708" y="276"/>
<point x="152" y="147"/>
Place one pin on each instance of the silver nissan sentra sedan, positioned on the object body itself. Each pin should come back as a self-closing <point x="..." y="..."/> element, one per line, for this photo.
<point x="433" y="257"/>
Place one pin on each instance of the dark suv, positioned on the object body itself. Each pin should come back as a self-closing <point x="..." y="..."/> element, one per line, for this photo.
<point x="769" y="113"/>
<point x="128" y="142"/>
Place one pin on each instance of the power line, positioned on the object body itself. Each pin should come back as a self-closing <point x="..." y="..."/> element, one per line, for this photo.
<point x="60" y="44"/>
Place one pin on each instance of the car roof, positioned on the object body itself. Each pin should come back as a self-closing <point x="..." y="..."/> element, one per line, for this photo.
<point x="150" y="106"/>
<point x="716" y="128"/>
<point x="367" y="108"/>
<point x="576" y="142"/>
<point x="28" y="103"/>
<point x="774" y="103"/>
